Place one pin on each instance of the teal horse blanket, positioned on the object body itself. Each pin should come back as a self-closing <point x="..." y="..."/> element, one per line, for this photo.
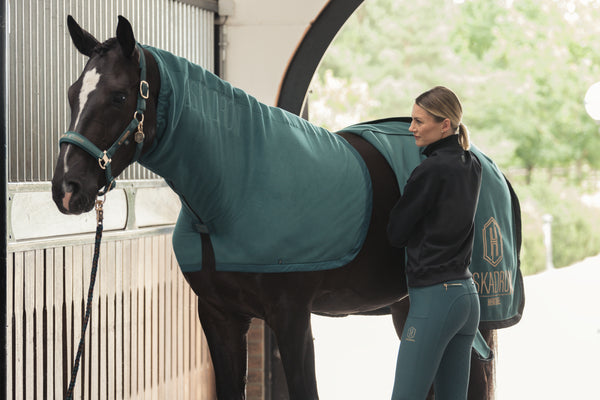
<point x="495" y="261"/>
<point x="276" y="193"/>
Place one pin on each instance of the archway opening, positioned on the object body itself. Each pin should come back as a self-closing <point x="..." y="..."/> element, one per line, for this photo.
<point x="521" y="68"/>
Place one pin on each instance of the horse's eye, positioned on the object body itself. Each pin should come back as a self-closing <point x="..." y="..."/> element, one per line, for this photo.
<point x="119" y="98"/>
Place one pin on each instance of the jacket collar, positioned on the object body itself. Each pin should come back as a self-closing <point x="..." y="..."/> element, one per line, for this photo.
<point x="449" y="142"/>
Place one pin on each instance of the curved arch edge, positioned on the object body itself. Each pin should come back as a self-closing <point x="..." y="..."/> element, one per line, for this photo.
<point x="310" y="51"/>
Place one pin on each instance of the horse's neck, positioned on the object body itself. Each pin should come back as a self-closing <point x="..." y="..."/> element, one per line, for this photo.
<point x="198" y="136"/>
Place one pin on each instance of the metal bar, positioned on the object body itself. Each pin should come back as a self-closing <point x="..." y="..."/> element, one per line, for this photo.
<point x="24" y="187"/>
<point x="125" y="282"/>
<point x="78" y="301"/>
<point x="19" y="335"/>
<point x="29" y="343"/>
<point x="38" y="317"/>
<point x="3" y="198"/>
<point x="6" y="314"/>
<point x="76" y="240"/>
<point x="57" y="317"/>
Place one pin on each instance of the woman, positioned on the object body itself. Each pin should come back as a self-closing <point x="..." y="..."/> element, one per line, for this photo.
<point x="434" y="221"/>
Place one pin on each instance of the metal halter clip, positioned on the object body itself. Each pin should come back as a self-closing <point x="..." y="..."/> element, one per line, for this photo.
<point x="139" y="134"/>
<point x="99" y="210"/>
<point x="139" y="116"/>
<point x="104" y="161"/>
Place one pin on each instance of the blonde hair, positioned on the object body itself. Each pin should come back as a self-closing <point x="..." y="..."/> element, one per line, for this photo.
<point x="442" y="103"/>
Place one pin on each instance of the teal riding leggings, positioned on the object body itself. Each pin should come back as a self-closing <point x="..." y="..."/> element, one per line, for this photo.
<point x="436" y="341"/>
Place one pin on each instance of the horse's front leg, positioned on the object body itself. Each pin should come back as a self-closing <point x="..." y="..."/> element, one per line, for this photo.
<point x="226" y="337"/>
<point x="294" y="337"/>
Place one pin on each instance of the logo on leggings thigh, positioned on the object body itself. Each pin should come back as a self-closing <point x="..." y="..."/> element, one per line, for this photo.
<point x="410" y="334"/>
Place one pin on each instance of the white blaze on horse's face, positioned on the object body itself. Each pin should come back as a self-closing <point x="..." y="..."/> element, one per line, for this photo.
<point x="88" y="85"/>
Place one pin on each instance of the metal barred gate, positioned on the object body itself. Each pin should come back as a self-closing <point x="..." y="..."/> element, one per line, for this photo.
<point x="144" y="338"/>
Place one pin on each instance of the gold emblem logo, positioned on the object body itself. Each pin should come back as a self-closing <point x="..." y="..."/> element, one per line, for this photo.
<point x="492" y="242"/>
<point x="411" y="333"/>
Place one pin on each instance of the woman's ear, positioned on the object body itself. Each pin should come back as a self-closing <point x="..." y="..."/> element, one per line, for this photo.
<point x="446" y="125"/>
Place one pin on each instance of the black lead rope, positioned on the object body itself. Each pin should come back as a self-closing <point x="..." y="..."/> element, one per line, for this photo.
<point x="104" y="160"/>
<point x="88" y="309"/>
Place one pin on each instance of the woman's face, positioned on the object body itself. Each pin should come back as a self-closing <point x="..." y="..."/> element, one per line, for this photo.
<point x="425" y="128"/>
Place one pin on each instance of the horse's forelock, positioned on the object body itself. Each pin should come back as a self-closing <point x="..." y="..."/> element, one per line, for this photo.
<point x="103" y="48"/>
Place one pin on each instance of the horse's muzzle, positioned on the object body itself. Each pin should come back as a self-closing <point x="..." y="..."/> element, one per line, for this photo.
<point x="70" y="199"/>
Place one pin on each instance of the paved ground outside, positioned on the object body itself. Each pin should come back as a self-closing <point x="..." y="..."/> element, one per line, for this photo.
<point x="553" y="353"/>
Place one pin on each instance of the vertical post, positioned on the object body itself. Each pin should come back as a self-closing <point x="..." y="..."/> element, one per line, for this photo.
<point x="547" y="229"/>
<point x="3" y="191"/>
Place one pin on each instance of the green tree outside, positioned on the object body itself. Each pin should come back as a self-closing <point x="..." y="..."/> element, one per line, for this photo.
<point x="521" y="69"/>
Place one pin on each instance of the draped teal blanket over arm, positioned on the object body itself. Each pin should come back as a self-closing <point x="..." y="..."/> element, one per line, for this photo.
<point x="277" y="193"/>
<point x="495" y="264"/>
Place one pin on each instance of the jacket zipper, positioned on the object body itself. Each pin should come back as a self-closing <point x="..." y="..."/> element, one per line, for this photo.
<point x="446" y="285"/>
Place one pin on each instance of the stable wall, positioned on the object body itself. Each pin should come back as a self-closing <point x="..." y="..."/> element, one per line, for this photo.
<point x="260" y="38"/>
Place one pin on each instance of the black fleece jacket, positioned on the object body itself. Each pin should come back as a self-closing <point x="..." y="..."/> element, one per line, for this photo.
<point x="434" y="217"/>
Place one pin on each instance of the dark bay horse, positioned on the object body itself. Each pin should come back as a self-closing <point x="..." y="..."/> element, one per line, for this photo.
<point x="103" y="100"/>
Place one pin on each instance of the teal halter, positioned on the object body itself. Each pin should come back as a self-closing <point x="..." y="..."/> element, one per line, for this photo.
<point x="136" y="124"/>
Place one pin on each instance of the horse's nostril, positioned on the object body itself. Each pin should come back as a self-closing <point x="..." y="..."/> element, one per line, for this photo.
<point x="70" y="187"/>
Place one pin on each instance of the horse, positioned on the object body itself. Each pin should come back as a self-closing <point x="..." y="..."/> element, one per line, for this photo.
<point x="121" y="79"/>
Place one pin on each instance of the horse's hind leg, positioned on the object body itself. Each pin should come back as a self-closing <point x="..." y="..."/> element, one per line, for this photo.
<point x="399" y="314"/>
<point x="295" y="341"/>
<point x="226" y="337"/>
<point x="483" y="372"/>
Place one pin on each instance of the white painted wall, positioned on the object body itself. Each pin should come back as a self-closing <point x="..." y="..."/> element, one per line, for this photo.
<point x="261" y="37"/>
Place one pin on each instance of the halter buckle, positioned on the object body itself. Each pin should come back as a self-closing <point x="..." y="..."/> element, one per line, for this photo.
<point x="144" y="89"/>
<point x="104" y="161"/>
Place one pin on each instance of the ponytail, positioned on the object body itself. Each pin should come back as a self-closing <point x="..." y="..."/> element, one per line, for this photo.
<point x="463" y="136"/>
<point x="442" y="103"/>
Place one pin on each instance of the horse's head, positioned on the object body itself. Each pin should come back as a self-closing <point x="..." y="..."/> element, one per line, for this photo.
<point x="108" y="102"/>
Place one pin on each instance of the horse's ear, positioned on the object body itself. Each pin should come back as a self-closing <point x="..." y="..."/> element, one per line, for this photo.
<point x="125" y="36"/>
<point x="83" y="40"/>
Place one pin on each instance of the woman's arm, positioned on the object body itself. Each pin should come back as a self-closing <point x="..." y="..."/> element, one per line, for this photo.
<point x="419" y="196"/>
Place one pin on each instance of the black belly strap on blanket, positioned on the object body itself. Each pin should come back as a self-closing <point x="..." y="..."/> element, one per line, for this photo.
<point x="208" y="254"/>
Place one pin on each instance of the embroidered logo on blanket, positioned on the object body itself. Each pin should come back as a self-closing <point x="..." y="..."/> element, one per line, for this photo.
<point x="492" y="242"/>
<point x="491" y="285"/>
